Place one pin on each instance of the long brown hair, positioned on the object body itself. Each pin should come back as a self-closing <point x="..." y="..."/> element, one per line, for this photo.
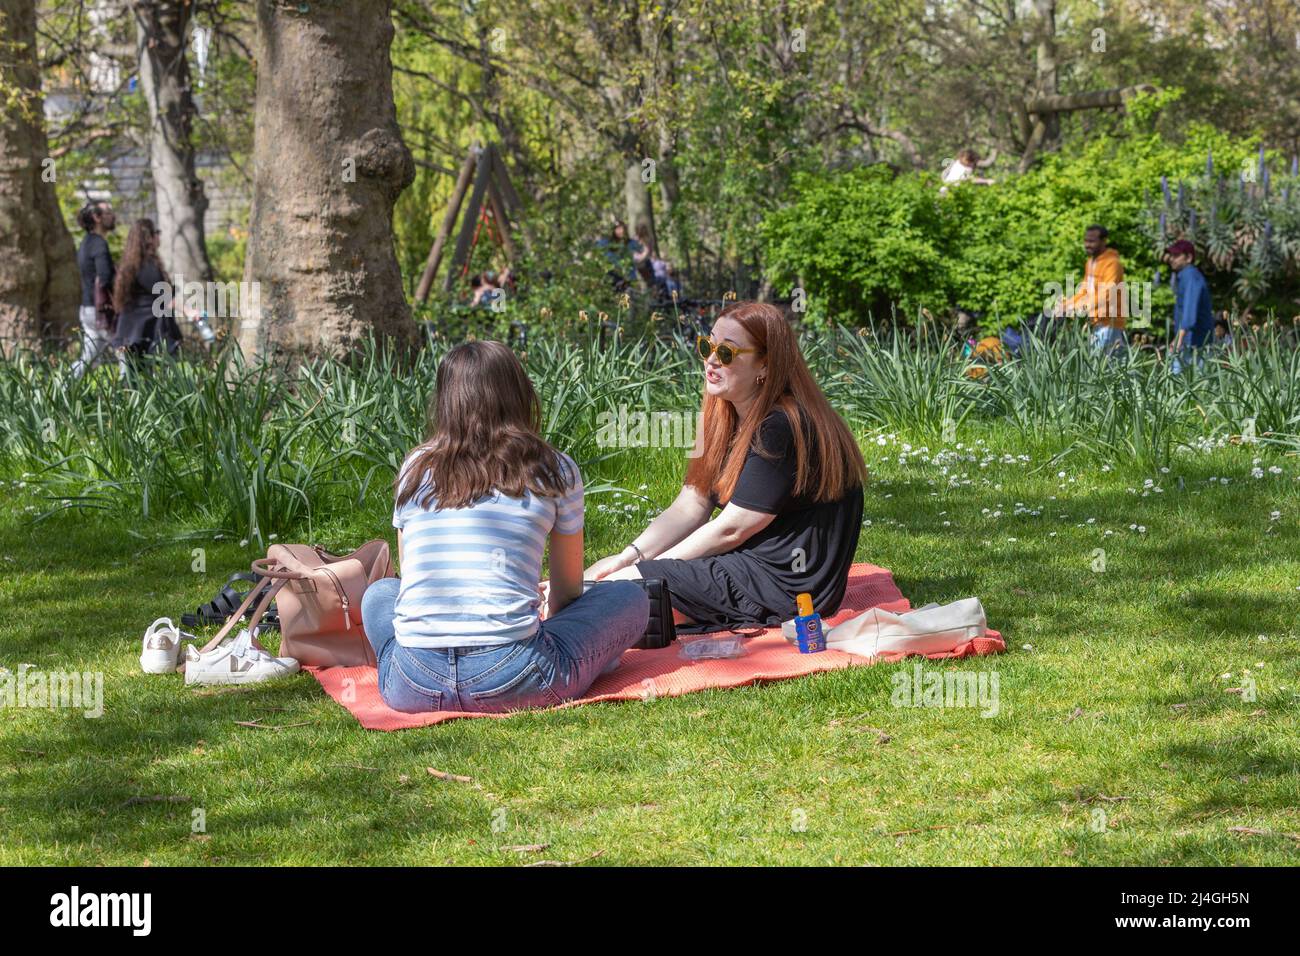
<point x="484" y="434"/>
<point x="134" y="255"/>
<point x="726" y="438"/>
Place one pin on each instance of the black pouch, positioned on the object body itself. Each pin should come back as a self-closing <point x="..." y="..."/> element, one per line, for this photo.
<point x="659" y="630"/>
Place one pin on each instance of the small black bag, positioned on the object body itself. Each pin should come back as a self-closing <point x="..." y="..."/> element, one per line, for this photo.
<point x="659" y="630"/>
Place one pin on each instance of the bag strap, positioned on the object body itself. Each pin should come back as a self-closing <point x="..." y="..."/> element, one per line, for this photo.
<point x="268" y="568"/>
<point x="239" y="613"/>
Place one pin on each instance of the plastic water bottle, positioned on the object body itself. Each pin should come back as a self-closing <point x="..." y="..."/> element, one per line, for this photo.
<point x="204" y="330"/>
<point x="809" y="637"/>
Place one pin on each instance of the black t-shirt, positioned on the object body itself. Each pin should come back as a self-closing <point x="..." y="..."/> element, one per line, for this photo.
<point x="808" y="546"/>
<point x="94" y="259"/>
<point x="137" y="326"/>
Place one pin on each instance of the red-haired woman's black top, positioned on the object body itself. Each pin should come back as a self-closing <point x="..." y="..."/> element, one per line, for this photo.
<point x="808" y="546"/>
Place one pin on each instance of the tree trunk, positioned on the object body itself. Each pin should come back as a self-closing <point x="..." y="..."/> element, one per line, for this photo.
<point x="329" y="163"/>
<point x="636" y="194"/>
<point x="161" y="29"/>
<point x="1047" y="84"/>
<point x="40" y="288"/>
<point x="669" y="186"/>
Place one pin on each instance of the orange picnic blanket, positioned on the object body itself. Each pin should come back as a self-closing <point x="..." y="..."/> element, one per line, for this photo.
<point x="661" y="672"/>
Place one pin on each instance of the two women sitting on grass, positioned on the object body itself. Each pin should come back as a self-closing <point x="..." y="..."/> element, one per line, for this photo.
<point x="478" y="502"/>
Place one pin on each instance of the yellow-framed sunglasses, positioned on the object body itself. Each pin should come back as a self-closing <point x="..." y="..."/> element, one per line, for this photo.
<point x="704" y="345"/>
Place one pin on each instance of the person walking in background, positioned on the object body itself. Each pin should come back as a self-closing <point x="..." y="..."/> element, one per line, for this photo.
<point x="1193" y="315"/>
<point x="146" y="320"/>
<point x="95" y="263"/>
<point x="1101" y="295"/>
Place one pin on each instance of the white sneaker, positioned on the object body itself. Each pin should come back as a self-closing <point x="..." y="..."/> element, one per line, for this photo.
<point x="236" y="662"/>
<point x="161" y="647"/>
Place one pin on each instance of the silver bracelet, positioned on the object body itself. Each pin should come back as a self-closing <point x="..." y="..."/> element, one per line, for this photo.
<point x="639" y="555"/>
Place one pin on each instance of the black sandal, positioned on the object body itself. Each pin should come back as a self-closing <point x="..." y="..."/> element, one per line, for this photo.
<point x="228" y="600"/>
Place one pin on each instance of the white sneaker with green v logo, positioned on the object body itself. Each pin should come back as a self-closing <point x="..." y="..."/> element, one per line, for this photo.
<point x="236" y="662"/>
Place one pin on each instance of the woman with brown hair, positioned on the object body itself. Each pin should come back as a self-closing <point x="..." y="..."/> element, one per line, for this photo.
<point x="785" y="470"/>
<point x="476" y="505"/>
<point x="143" y="296"/>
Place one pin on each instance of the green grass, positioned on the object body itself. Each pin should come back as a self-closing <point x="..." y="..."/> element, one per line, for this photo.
<point x="1119" y="706"/>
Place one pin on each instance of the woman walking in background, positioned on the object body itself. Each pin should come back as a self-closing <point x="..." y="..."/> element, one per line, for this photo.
<point x="146" y="321"/>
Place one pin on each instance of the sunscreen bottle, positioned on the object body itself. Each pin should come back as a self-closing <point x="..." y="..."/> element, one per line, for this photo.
<point x="808" y="627"/>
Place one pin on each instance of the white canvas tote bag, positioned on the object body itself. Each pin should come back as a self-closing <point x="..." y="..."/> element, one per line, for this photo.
<point x="932" y="629"/>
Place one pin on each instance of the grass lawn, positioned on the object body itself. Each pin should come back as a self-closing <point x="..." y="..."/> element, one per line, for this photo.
<point x="1116" y="739"/>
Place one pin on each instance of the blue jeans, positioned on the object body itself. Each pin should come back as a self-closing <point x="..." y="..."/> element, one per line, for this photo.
<point x="1186" y="359"/>
<point x="556" y="664"/>
<point x="1107" y="339"/>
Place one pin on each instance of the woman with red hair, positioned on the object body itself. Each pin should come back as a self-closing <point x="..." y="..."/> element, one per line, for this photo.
<point x="785" y="471"/>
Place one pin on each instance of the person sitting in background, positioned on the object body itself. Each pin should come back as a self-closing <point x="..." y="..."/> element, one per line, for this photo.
<point x="620" y="250"/>
<point x="962" y="170"/>
<point x="1193" y="315"/>
<point x="484" y="290"/>
<point x="1222" y="334"/>
<point x="666" y="279"/>
<point x="1100" y="297"/>
<point x="145" y="302"/>
<point x="95" y="262"/>
<point x="643" y="256"/>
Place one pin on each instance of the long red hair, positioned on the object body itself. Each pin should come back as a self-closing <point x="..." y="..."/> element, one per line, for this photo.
<point x="725" y="438"/>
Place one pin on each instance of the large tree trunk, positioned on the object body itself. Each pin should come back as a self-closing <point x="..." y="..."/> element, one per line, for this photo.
<point x="161" y="29"/>
<point x="40" y="288"/>
<point x="1046" y="129"/>
<point x="1047" y="83"/>
<point x="329" y="163"/>
<point x="636" y="193"/>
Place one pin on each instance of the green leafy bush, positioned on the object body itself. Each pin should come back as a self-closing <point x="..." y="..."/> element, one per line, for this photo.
<point x="864" y="240"/>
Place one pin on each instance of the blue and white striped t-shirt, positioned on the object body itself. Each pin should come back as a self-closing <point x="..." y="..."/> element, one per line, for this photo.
<point x="470" y="575"/>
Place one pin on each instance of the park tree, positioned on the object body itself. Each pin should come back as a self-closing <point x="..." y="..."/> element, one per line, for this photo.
<point x="39" y="285"/>
<point x="162" y="28"/>
<point x="329" y="163"/>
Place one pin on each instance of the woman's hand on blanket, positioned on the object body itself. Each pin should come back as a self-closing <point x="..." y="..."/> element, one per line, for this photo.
<point x="606" y="566"/>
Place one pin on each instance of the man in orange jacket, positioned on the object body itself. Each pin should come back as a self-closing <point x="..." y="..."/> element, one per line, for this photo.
<point x="1101" y="296"/>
